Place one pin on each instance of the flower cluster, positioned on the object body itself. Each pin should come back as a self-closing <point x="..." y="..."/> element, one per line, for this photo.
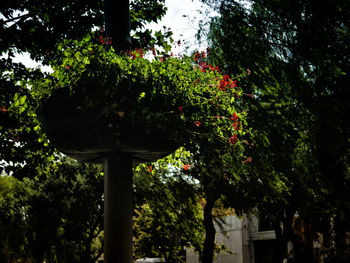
<point x="227" y="83"/>
<point x="105" y="40"/>
<point x="137" y="53"/>
<point x="149" y="168"/>
<point x="186" y="167"/>
<point x="200" y="59"/>
<point x="233" y="139"/>
<point x="164" y="91"/>
<point x="3" y="109"/>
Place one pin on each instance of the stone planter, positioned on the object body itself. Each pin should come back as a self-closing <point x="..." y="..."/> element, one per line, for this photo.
<point x="85" y="135"/>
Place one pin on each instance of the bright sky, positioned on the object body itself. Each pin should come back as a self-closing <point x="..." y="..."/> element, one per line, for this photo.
<point x="182" y="17"/>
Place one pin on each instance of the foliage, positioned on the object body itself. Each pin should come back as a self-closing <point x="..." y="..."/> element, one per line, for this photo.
<point x="192" y="102"/>
<point x="36" y="27"/>
<point x="297" y="66"/>
<point x="168" y="213"/>
<point x="50" y="196"/>
<point x="13" y="207"/>
<point x="57" y="218"/>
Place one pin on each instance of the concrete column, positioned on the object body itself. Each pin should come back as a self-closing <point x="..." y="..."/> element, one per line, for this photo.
<point x="118" y="209"/>
<point x="117" y="21"/>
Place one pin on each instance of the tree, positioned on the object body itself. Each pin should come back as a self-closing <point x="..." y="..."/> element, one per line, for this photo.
<point x="59" y="217"/>
<point x="68" y="229"/>
<point x="36" y="27"/>
<point x="13" y="207"/>
<point x="214" y="128"/>
<point x="297" y="65"/>
<point x="168" y="214"/>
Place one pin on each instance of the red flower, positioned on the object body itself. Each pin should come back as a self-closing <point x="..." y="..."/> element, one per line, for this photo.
<point x="197" y="123"/>
<point x="248" y="160"/>
<point x="105" y="40"/>
<point x="197" y="56"/>
<point x="67" y="67"/>
<point x="226" y="77"/>
<point x="234" y="117"/>
<point x="222" y="85"/>
<point x="233" y="84"/>
<point x="3" y="109"/>
<point x="149" y="168"/>
<point x="186" y="167"/>
<point x="180" y="109"/>
<point x="233" y="140"/>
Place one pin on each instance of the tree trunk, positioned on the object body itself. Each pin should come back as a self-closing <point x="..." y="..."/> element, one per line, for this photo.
<point x="208" y="249"/>
<point x="278" y="254"/>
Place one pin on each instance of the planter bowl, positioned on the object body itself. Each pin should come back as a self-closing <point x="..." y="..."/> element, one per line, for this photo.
<point x="86" y="135"/>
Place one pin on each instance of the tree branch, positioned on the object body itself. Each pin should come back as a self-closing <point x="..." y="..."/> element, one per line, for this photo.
<point x="15" y="18"/>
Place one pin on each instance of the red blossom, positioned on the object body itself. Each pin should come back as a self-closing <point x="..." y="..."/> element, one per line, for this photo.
<point x="234" y="117"/>
<point x="248" y="160"/>
<point x="226" y="78"/>
<point x="3" y="109"/>
<point x="197" y="123"/>
<point x="186" y="167"/>
<point x="238" y="126"/>
<point x="223" y="84"/>
<point x="149" y="168"/>
<point x="105" y="40"/>
<point x="180" y="109"/>
<point x="197" y="56"/>
<point x="233" y="84"/>
<point x="233" y="139"/>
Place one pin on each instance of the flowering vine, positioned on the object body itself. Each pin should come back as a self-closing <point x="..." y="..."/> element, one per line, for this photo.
<point x="185" y="96"/>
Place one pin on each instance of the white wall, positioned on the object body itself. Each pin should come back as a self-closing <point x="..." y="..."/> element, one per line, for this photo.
<point x="236" y="240"/>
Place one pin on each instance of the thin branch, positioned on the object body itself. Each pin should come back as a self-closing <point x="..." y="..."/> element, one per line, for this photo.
<point x="15" y="18"/>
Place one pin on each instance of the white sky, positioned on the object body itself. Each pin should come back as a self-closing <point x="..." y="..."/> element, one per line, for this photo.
<point x="182" y="17"/>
